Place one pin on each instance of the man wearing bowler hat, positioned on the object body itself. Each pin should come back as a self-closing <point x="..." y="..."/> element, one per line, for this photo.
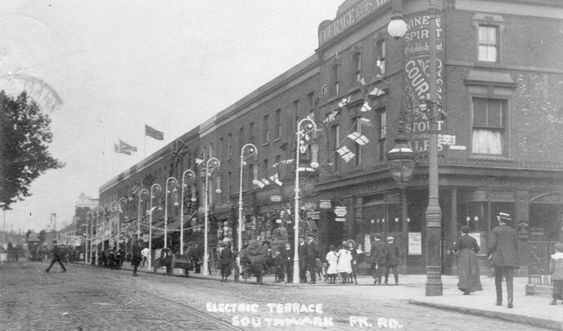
<point x="503" y="253"/>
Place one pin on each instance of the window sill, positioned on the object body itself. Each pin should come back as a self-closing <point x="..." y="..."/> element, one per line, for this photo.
<point x="489" y="157"/>
<point x="276" y="140"/>
<point x="266" y="143"/>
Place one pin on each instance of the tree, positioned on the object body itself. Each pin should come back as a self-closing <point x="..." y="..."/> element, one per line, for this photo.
<point x="25" y="136"/>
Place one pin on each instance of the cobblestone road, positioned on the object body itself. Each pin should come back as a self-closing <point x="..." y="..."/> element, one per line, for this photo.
<point x="90" y="298"/>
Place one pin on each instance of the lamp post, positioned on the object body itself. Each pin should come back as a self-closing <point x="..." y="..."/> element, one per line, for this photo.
<point x="433" y="214"/>
<point x="119" y="211"/>
<point x="304" y="127"/>
<point x="173" y="182"/>
<point x="214" y="163"/>
<point x="142" y="193"/>
<point x="401" y="165"/>
<point x="251" y="151"/>
<point x="154" y="189"/>
<point x="97" y="214"/>
<point x="187" y="175"/>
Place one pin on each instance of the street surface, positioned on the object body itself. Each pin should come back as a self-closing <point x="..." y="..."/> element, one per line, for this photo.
<point x="91" y="298"/>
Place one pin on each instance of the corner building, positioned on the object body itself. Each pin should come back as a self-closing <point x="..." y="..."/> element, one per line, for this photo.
<point x="500" y="94"/>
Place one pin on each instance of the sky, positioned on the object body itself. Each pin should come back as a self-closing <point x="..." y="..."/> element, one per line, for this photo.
<point x="118" y="65"/>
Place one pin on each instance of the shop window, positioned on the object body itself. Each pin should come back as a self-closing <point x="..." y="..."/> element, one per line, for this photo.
<point x="489" y="122"/>
<point x="488" y="43"/>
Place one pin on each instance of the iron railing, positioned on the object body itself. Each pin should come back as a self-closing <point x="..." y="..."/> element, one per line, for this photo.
<point x="538" y="268"/>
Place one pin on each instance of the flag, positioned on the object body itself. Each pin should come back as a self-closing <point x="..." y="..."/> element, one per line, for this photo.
<point x="359" y="138"/>
<point x="265" y="181"/>
<point x="198" y="161"/>
<point x="345" y="153"/>
<point x="154" y="133"/>
<point x="123" y="147"/>
<point x="376" y="92"/>
<point x="365" y="106"/>
<point x="276" y="179"/>
<point x="344" y="102"/>
<point x="365" y="121"/>
<point x="258" y="183"/>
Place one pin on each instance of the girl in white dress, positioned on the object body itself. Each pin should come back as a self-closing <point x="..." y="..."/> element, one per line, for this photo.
<point x="344" y="266"/>
<point x="332" y="261"/>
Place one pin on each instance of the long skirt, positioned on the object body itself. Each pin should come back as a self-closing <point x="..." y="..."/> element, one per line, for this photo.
<point x="226" y="269"/>
<point x="468" y="269"/>
<point x="558" y="289"/>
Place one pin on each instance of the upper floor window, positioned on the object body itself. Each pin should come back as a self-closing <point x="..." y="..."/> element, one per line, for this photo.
<point x="380" y="54"/>
<point x="336" y="79"/>
<point x="357" y="66"/>
<point x="311" y="101"/>
<point x="220" y="148"/>
<point x="230" y="146"/>
<point x="357" y="126"/>
<point x="278" y="124"/>
<point x="266" y="130"/>
<point x="488" y="43"/>
<point x="265" y="169"/>
<point x="241" y="137"/>
<point x="381" y="132"/>
<point x="251" y="132"/>
<point x="489" y="126"/>
<point x="335" y="137"/>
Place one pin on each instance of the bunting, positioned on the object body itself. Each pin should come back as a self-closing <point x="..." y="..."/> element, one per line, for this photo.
<point x="359" y="138"/>
<point x="345" y="153"/>
<point x="331" y="116"/>
<point x="365" y="107"/>
<point x="276" y="179"/>
<point x="344" y="102"/>
<point x="376" y="92"/>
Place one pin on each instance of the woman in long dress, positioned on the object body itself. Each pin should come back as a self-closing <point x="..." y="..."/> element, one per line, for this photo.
<point x="344" y="265"/>
<point x="332" y="261"/>
<point x="467" y="248"/>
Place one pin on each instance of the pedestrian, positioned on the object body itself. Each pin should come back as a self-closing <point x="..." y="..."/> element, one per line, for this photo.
<point x="312" y="255"/>
<point x="391" y="259"/>
<point x="289" y="252"/>
<point x="556" y="268"/>
<point x="503" y="254"/>
<point x="166" y="258"/>
<point x="377" y="259"/>
<point x="279" y="262"/>
<point x="332" y="261"/>
<point x="136" y="256"/>
<point x="226" y="260"/>
<point x="354" y="263"/>
<point x="466" y="249"/>
<point x="344" y="264"/>
<point x="302" y="254"/>
<point x="57" y="257"/>
<point x="145" y="255"/>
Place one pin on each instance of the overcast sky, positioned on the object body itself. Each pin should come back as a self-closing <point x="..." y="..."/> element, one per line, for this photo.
<point x="117" y="65"/>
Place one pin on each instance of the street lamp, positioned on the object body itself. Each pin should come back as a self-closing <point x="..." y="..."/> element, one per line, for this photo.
<point x="187" y="175"/>
<point x="433" y="213"/>
<point x="214" y="163"/>
<point x="173" y="182"/>
<point x="142" y="193"/>
<point x="401" y="165"/>
<point x="304" y="127"/>
<point x="154" y="189"/>
<point x="251" y="151"/>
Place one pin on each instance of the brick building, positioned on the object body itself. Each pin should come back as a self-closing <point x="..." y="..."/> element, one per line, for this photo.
<point x="500" y="84"/>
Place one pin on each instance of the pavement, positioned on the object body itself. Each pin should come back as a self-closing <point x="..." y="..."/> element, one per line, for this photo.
<point x="528" y="309"/>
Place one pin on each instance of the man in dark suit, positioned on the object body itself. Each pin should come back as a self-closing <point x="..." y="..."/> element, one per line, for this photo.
<point x="57" y="257"/>
<point x="302" y="253"/>
<point x="503" y="253"/>
<point x="312" y="254"/>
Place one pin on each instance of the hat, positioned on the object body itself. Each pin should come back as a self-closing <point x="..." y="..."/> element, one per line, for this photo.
<point x="54" y="241"/>
<point x="504" y="217"/>
<point x="390" y="238"/>
<point x="559" y="247"/>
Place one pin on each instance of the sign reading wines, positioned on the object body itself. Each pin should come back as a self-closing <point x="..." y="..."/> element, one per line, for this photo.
<point x="417" y="77"/>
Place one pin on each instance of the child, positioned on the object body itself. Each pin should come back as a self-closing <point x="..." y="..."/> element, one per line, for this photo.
<point x="556" y="268"/>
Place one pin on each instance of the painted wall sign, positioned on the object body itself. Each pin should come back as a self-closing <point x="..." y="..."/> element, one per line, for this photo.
<point x="325" y="204"/>
<point x="417" y="75"/>
<point x="340" y="211"/>
<point x="343" y="22"/>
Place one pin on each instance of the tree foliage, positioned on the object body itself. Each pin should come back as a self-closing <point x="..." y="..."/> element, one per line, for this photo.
<point x="25" y="136"/>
